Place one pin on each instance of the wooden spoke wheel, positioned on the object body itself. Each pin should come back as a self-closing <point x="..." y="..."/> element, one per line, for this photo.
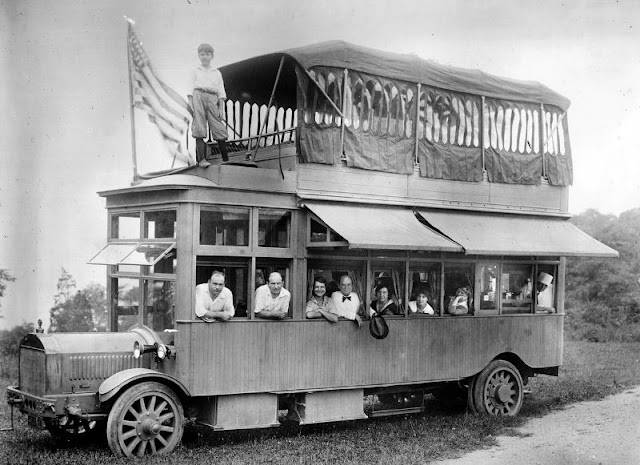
<point x="498" y="390"/>
<point x="147" y="419"/>
<point x="72" y="429"/>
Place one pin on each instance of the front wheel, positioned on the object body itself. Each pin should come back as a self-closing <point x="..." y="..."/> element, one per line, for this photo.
<point x="146" y="419"/>
<point x="498" y="390"/>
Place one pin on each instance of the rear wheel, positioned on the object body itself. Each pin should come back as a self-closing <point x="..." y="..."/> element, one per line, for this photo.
<point x="498" y="390"/>
<point x="147" y="419"/>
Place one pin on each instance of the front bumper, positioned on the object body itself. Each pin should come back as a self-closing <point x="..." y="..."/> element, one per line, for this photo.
<point x="79" y="404"/>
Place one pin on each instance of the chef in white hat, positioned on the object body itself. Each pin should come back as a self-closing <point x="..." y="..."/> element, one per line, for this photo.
<point x="544" y="293"/>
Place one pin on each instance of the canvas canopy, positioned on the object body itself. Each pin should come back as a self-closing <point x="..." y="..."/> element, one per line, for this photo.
<point x="405" y="67"/>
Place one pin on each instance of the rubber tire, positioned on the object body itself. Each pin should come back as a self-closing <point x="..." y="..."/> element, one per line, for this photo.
<point x="499" y="373"/>
<point x="126" y="436"/>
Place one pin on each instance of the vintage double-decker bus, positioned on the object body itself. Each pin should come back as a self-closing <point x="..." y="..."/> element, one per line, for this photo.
<point x="343" y="161"/>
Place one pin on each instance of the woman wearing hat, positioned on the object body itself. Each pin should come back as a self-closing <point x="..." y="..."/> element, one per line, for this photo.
<point x="544" y="290"/>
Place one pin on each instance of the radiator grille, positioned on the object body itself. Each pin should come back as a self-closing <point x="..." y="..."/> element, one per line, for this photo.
<point x="97" y="367"/>
<point x="33" y="371"/>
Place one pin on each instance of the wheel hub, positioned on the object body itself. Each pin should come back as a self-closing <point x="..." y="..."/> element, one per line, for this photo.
<point x="148" y="427"/>
<point x="503" y="393"/>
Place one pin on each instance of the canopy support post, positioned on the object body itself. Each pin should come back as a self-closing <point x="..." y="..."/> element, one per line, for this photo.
<point x="415" y="128"/>
<point x="344" y="110"/>
<point x="266" y="119"/>
<point x="483" y="129"/>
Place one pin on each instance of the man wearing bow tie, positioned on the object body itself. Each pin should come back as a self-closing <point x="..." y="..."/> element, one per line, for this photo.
<point x="347" y="302"/>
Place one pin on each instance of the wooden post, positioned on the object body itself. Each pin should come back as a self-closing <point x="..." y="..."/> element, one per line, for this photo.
<point x="415" y="128"/>
<point x="131" y="107"/>
<point x="482" y="141"/>
<point x="266" y="119"/>
<point x="344" y="108"/>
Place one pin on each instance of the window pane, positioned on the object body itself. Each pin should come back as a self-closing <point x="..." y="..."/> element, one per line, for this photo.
<point x="124" y="303"/>
<point x="147" y="253"/>
<point x="488" y="282"/>
<point x="111" y="254"/>
<point x="273" y="228"/>
<point x="125" y="225"/>
<point x="160" y="224"/>
<point x="516" y="288"/>
<point x="545" y="295"/>
<point x="458" y="282"/>
<point x="159" y="309"/>
<point x="318" y="232"/>
<point x="167" y="264"/>
<point x="426" y="278"/>
<point x="224" y="226"/>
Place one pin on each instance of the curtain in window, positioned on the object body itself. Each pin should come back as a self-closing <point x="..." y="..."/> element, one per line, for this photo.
<point x="512" y="142"/>
<point x="449" y="135"/>
<point x="557" y="149"/>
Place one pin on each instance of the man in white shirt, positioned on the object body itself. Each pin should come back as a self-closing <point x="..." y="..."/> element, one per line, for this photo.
<point x="272" y="300"/>
<point x="347" y="302"/>
<point x="213" y="300"/>
<point x="544" y="290"/>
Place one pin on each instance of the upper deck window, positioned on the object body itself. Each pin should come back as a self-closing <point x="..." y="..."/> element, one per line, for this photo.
<point x="274" y="228"/>
<point x="224" y="226"/>
<point x="125" y="225"/>
<point x="160" y="224"/>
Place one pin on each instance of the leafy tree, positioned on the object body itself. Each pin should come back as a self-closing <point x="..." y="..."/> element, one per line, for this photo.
<point x="603" y="295"/>
<point x="5" y="277"/>
<point x="84" y="310"/>
<point x="10" y="339"/>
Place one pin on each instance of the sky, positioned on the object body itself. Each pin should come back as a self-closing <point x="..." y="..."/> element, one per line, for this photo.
<point x="65" y="93"/>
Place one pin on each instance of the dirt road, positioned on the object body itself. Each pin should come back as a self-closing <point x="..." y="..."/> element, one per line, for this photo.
<point x="602" y="432"/>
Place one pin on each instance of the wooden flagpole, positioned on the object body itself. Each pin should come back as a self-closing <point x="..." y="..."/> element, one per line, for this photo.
<point x="136" y="177"/>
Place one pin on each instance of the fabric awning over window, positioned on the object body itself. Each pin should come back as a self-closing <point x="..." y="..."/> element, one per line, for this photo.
<point x="132" y="253"/>
<point x="368" y="227"/>
<point x="484" y="234"/>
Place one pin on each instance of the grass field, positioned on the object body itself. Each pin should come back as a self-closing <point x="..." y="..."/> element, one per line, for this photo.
<point x="591" y="371"/>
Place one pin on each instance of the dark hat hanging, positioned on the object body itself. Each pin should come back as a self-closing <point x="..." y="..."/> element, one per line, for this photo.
<point x="378" y="327"/>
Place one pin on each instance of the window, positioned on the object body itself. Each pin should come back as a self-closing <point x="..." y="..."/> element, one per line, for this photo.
<point x="273" y="228"/>
<point x="458" y="282"/>
<point x="236" y="272"/>
<point x="391" y="277"/>
<point x="160" y="224"/>
<point x="546" y="296"/>
<point x="159" y="311"/>
<point x="488" y="275"/>
<point x="224" y="226"/>
<point x="125" y="225"/>
<point x="125" y="303"/>
<point x="516" y="288"/>
<point x="332" y="271"/>
<point x="426" y="278"/>
<point x="319" y="234"/>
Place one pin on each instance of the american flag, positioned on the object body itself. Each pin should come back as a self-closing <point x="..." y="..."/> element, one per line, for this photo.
<point x="165" y="107"/>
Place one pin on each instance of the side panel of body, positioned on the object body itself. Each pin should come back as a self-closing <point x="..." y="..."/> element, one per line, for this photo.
<point x="284" y="356"/>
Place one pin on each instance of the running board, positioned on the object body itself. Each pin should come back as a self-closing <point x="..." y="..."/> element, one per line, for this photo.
<point x="395" y="411"/>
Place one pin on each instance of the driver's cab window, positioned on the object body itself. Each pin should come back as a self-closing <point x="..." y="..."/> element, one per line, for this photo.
<point x="159" y="311"/>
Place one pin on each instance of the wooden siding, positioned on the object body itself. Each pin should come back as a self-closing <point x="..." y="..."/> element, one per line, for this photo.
<point x="342" y="183"/>
<point x="278" y="356"/>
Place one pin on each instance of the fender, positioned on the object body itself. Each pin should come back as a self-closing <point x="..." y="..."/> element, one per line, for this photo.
<point x="114" y="383"/>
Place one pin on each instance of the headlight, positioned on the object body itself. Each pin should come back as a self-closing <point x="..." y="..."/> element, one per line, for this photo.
<point x="139" y="349"/>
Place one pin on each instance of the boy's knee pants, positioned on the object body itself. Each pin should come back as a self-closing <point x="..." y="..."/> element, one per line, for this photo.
<point x="205" y="110"/>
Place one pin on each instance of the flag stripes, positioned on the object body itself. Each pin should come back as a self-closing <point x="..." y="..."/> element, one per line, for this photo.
<point x="164" y="107"/>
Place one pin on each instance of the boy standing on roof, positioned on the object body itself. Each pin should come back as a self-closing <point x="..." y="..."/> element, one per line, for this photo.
<point x="207" y="101"/>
